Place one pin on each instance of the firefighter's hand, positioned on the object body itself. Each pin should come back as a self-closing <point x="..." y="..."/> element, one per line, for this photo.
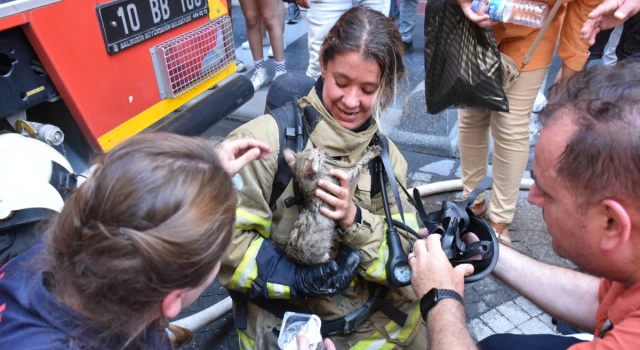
<point x="303" y="343"/>
<point x="235" y="154"/>
<point x="609" y="14"/>
<point x="482" y="21"/>
<point x="431" y="268"/>
<point x="304" y="3"/>
<point x="339" y="198"/>
<point x="326" y="279"/>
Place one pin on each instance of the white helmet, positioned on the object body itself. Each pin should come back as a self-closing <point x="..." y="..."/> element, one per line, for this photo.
<point x="32" y="180"/>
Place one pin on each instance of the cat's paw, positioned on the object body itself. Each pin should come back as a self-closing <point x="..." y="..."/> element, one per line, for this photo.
<point x="375" y="149"/>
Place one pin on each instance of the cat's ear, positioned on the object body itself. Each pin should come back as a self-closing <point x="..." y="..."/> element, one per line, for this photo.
<point x="290" y="157"/>
<point x="316" y="164"/>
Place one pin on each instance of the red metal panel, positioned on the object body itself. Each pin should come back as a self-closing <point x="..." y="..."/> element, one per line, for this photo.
<point x="14" y="20"/>
<point x="101" y="90"/>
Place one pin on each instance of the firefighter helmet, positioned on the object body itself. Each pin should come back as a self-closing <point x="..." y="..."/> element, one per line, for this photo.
<point x="34" y="180"/>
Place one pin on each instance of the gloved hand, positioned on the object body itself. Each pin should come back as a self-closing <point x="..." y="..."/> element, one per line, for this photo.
<point x="330" y="278"/>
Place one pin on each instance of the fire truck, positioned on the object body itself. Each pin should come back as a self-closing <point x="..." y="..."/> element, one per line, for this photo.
<point x="85" y="75"/>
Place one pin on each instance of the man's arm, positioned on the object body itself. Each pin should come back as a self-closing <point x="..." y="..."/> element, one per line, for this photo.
<point x="447" y="327"/>
<point x="565" y="294"/>
<point x="446" y="322"/>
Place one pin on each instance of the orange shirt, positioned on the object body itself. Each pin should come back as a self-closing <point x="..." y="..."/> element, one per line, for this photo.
<point x="514" y="40"/>
<point x="621" y="306"/>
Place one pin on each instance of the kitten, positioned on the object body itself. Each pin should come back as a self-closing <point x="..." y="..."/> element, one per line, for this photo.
<point x="311" y="238"/>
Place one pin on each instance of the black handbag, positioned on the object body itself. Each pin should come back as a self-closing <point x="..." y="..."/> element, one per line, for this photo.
<point x="463" y="65"/>
<point x="462" y="62"/>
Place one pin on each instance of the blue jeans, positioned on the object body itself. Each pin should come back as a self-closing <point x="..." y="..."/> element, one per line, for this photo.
<point x="408" y="12"/>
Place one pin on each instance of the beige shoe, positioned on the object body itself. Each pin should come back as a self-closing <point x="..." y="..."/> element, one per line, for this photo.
<point x="502" y="232"/>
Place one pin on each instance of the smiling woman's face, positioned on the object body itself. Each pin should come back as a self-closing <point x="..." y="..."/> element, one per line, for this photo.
<point x="350" y="85"/>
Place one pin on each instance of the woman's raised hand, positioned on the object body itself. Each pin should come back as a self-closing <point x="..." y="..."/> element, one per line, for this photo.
<point x="235" y="154"/>
<point x="338" y="197"/>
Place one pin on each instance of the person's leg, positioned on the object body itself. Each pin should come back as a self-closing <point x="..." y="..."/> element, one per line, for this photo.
<point x="629" y="46"/>
<point x="473" y="142"/>
<point x="597" y="49"/>
<point x="272" y="14"/>
<point x="510" y="131"/>
<point x="538" y="105"/>
<point x="394" y="12"/>
<point x="265" y="37"/>
<point x="293" y="12"/>
<point x="240" y="66"/>
<point x="379" y="5"/>
<point x="609" y="57"/>
<point x="321" y="16"/>
<point x="252" y="17"/>
<point x="251" y="13"/>
<point x="527" y="342"/>
<point x="280" y="12"/>
<point x="408" y="11"/>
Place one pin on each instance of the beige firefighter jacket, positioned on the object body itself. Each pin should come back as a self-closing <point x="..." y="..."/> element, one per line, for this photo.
<point x="255" y="222"/>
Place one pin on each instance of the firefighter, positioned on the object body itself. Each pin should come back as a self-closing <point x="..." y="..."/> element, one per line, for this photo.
<point x="361" y="61"/>
<point x="33" y="185"/>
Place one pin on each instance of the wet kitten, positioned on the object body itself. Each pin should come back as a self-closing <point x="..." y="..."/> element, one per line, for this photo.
<point x="311" y="238"/>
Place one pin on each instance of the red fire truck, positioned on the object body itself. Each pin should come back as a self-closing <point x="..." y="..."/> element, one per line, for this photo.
<point x="96" y="72"/>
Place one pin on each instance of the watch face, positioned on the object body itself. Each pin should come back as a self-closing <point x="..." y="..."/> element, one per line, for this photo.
<point x="402" y="273"/>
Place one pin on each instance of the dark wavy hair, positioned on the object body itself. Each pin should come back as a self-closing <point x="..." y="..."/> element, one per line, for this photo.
<point x="156" y="215"/>
<point x="602" y="158"/>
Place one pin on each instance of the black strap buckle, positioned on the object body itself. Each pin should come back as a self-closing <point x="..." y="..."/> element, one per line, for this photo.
<point x="70" y="181"/>
<point x="357" y="318"/>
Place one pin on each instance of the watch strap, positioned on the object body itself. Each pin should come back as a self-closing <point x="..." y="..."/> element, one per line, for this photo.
<point x="431" y="299"/>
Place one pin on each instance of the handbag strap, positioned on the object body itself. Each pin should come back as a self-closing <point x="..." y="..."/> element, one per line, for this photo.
<point x="544" y="28"/>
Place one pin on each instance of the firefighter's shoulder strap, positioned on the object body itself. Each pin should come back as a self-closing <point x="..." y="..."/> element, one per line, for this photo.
<point x="293" y="135"/>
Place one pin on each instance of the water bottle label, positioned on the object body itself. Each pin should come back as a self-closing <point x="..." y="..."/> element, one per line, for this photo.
<point x="496" y="9"/>
<point x="475" y="6"/>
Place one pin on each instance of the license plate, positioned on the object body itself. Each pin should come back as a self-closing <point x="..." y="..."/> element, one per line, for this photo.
<point x="126" y="23"/>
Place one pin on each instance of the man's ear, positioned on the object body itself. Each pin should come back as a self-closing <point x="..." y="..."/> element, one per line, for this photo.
<point x="172" y="303"/>
<point x="617" y="227"/>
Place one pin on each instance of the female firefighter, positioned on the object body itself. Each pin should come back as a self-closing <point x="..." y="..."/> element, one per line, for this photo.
<point x="361" y="64"/>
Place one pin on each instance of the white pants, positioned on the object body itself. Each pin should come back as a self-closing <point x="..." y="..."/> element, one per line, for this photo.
<point x="322" y="15"/>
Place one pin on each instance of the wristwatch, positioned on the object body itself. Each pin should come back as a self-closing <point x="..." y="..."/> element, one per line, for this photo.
<point x="433" y="296"/>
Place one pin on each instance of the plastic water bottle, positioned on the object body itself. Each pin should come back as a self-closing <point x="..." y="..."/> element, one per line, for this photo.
<point x="521" y="12"/>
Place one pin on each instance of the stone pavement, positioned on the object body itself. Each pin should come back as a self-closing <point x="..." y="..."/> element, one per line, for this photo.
<point x="491" y="306"/>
